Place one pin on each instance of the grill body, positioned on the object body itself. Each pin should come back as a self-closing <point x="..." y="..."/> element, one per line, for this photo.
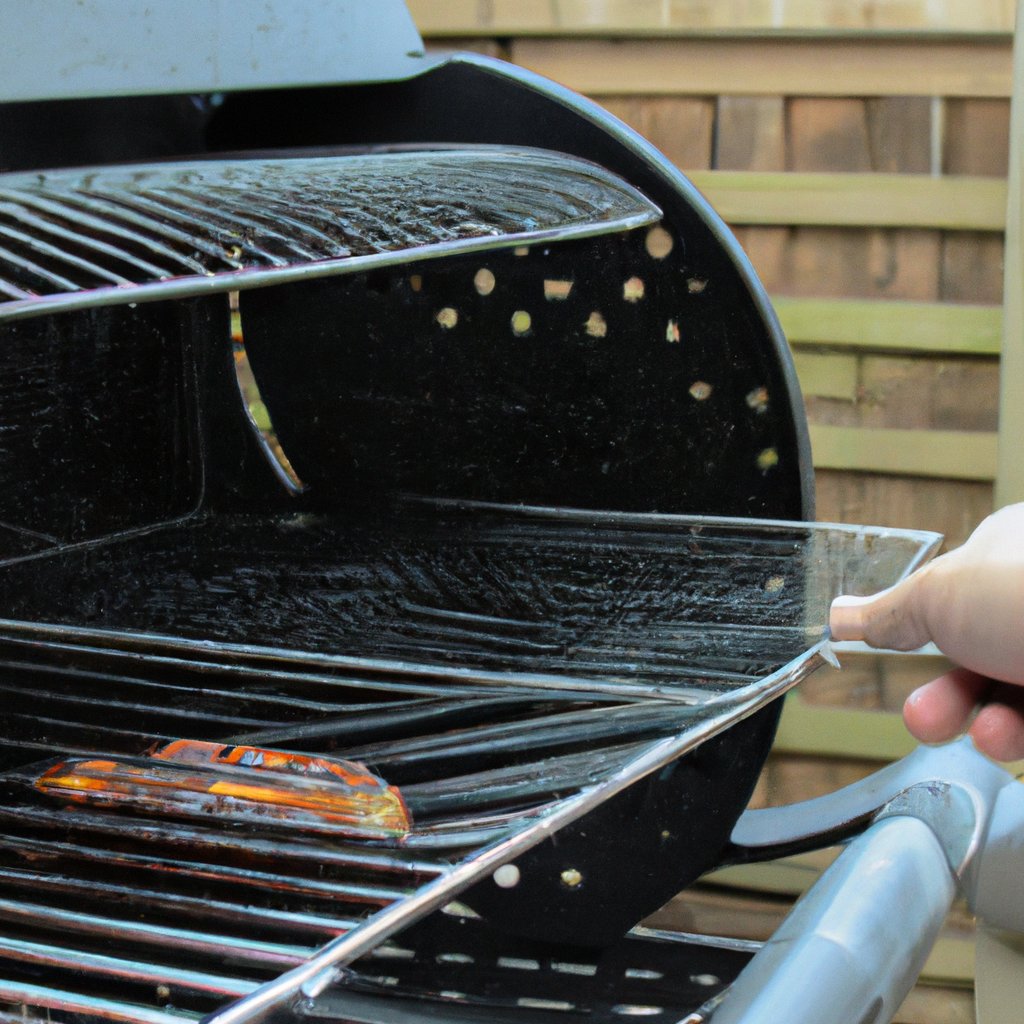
<point x="127" y="431"/>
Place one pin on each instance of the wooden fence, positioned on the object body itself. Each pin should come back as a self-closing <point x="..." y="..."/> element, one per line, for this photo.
<point x="859" y="151"/>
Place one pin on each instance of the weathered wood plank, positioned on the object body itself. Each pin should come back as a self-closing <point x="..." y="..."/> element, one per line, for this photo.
<point x="976" y="137"/>
<point x="750" y="133"/>
<point x="563" y="17"/>
<point x="827" y="135"/>
<point x="826" y="262"/>
<point x="950" y="507"/>
<point x="858" y="200"/>
<point x="948" y="454"/>
<point x="842" y="134"/>
<point x="934" y="327"/>
<point x="681" y="127"/>
<point x="786" y="67"/>
<point x="900" y="130"/>
<point x="927" y="393"/>
<point x="827" y="374"/>
<point x="971" y="268"/>
<point x="841" y="732"/>
<point x="870" y="680"/>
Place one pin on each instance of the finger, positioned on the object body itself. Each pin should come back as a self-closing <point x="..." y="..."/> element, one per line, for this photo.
<point x="893" y="618"/>
<point x="941" y="709"/>
<point x="998" y="729"/>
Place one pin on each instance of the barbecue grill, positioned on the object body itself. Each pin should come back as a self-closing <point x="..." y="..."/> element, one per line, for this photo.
<point x="404" y="547"/>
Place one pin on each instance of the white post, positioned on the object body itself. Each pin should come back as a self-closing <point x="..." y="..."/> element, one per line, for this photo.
<point x="1010" y="470"/>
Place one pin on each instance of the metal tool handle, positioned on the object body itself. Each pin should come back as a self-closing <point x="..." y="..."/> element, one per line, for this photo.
<point x="853" y="946"/>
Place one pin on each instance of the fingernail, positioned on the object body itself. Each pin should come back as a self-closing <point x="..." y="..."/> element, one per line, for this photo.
<point x="914" y="698"/>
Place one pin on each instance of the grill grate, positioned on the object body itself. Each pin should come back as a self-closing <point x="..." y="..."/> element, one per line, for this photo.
<point x="70" y="239"/>
<point x="159" y="910"/>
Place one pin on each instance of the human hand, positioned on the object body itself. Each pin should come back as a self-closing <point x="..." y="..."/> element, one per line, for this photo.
<point x="970" y="603"/>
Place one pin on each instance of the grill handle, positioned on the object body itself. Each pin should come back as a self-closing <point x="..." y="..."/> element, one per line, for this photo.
<point x="853" y="946"/>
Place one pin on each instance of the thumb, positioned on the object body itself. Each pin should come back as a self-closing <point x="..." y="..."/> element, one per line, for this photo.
<point x="892" y="618"/>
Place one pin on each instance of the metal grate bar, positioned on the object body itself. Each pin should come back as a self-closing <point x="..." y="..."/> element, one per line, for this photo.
<point x="222" y="207"/>
<point x="286" y="668"/>
<point x="276" y="703"/>
<point x="120" y="970"/>
<point x="220" y="225"/>
<point x="536" y="736"/>
<point x="67" y="207"/>
<point x="346" y="890"/>
<point x="269" y="955"/>
<point x="115" y="1011"/>
<point x="24" y="266"/>
<point x="8" y="289"/>
<point x="207" y="842"/>
<point x="308" y="217"/>
<point x="529" y="783"/>
<point x="132" y="209"/>
<point x="356" y="727"/>
<point x="23" y="215"/>
<point x="176" y="903"/>
<point x="41" y="248"/>
<point x="281" y="211"/>
<point x="123" y="710"/>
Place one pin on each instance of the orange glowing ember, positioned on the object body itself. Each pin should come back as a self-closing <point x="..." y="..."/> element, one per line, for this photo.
<point x="190" y="778"/>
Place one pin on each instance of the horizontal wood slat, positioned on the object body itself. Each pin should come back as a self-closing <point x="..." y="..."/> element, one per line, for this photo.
<point x="786" y="67"/>
<point x="841" y="732"/>
<point x="929" y="327"/>
<point x="950" y="454"/>
<point x="564" y="17"/>
<point x="855" y="200"/>
<point x="827" y="374"/>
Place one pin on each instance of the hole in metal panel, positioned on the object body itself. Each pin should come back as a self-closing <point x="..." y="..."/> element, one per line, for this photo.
<point x="758" y="400"/>
<point x="659" y="243"/>
<point x="255" y="408"/>
<point x="567" y="967"/>
<point x="484" y="281"/>
<point x="643" y="973"/>
<point x="454" y="958"/>
<point x="521" y="323"/>
<point x="515" y="963"/>
<point x="633" y="289"/>
<point x="596" y="325"/>
<point x="529" y="1003"/>
<point x="557" y="291"/>
<point x="707" y="980"/>
<point x="447" y="317"/>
